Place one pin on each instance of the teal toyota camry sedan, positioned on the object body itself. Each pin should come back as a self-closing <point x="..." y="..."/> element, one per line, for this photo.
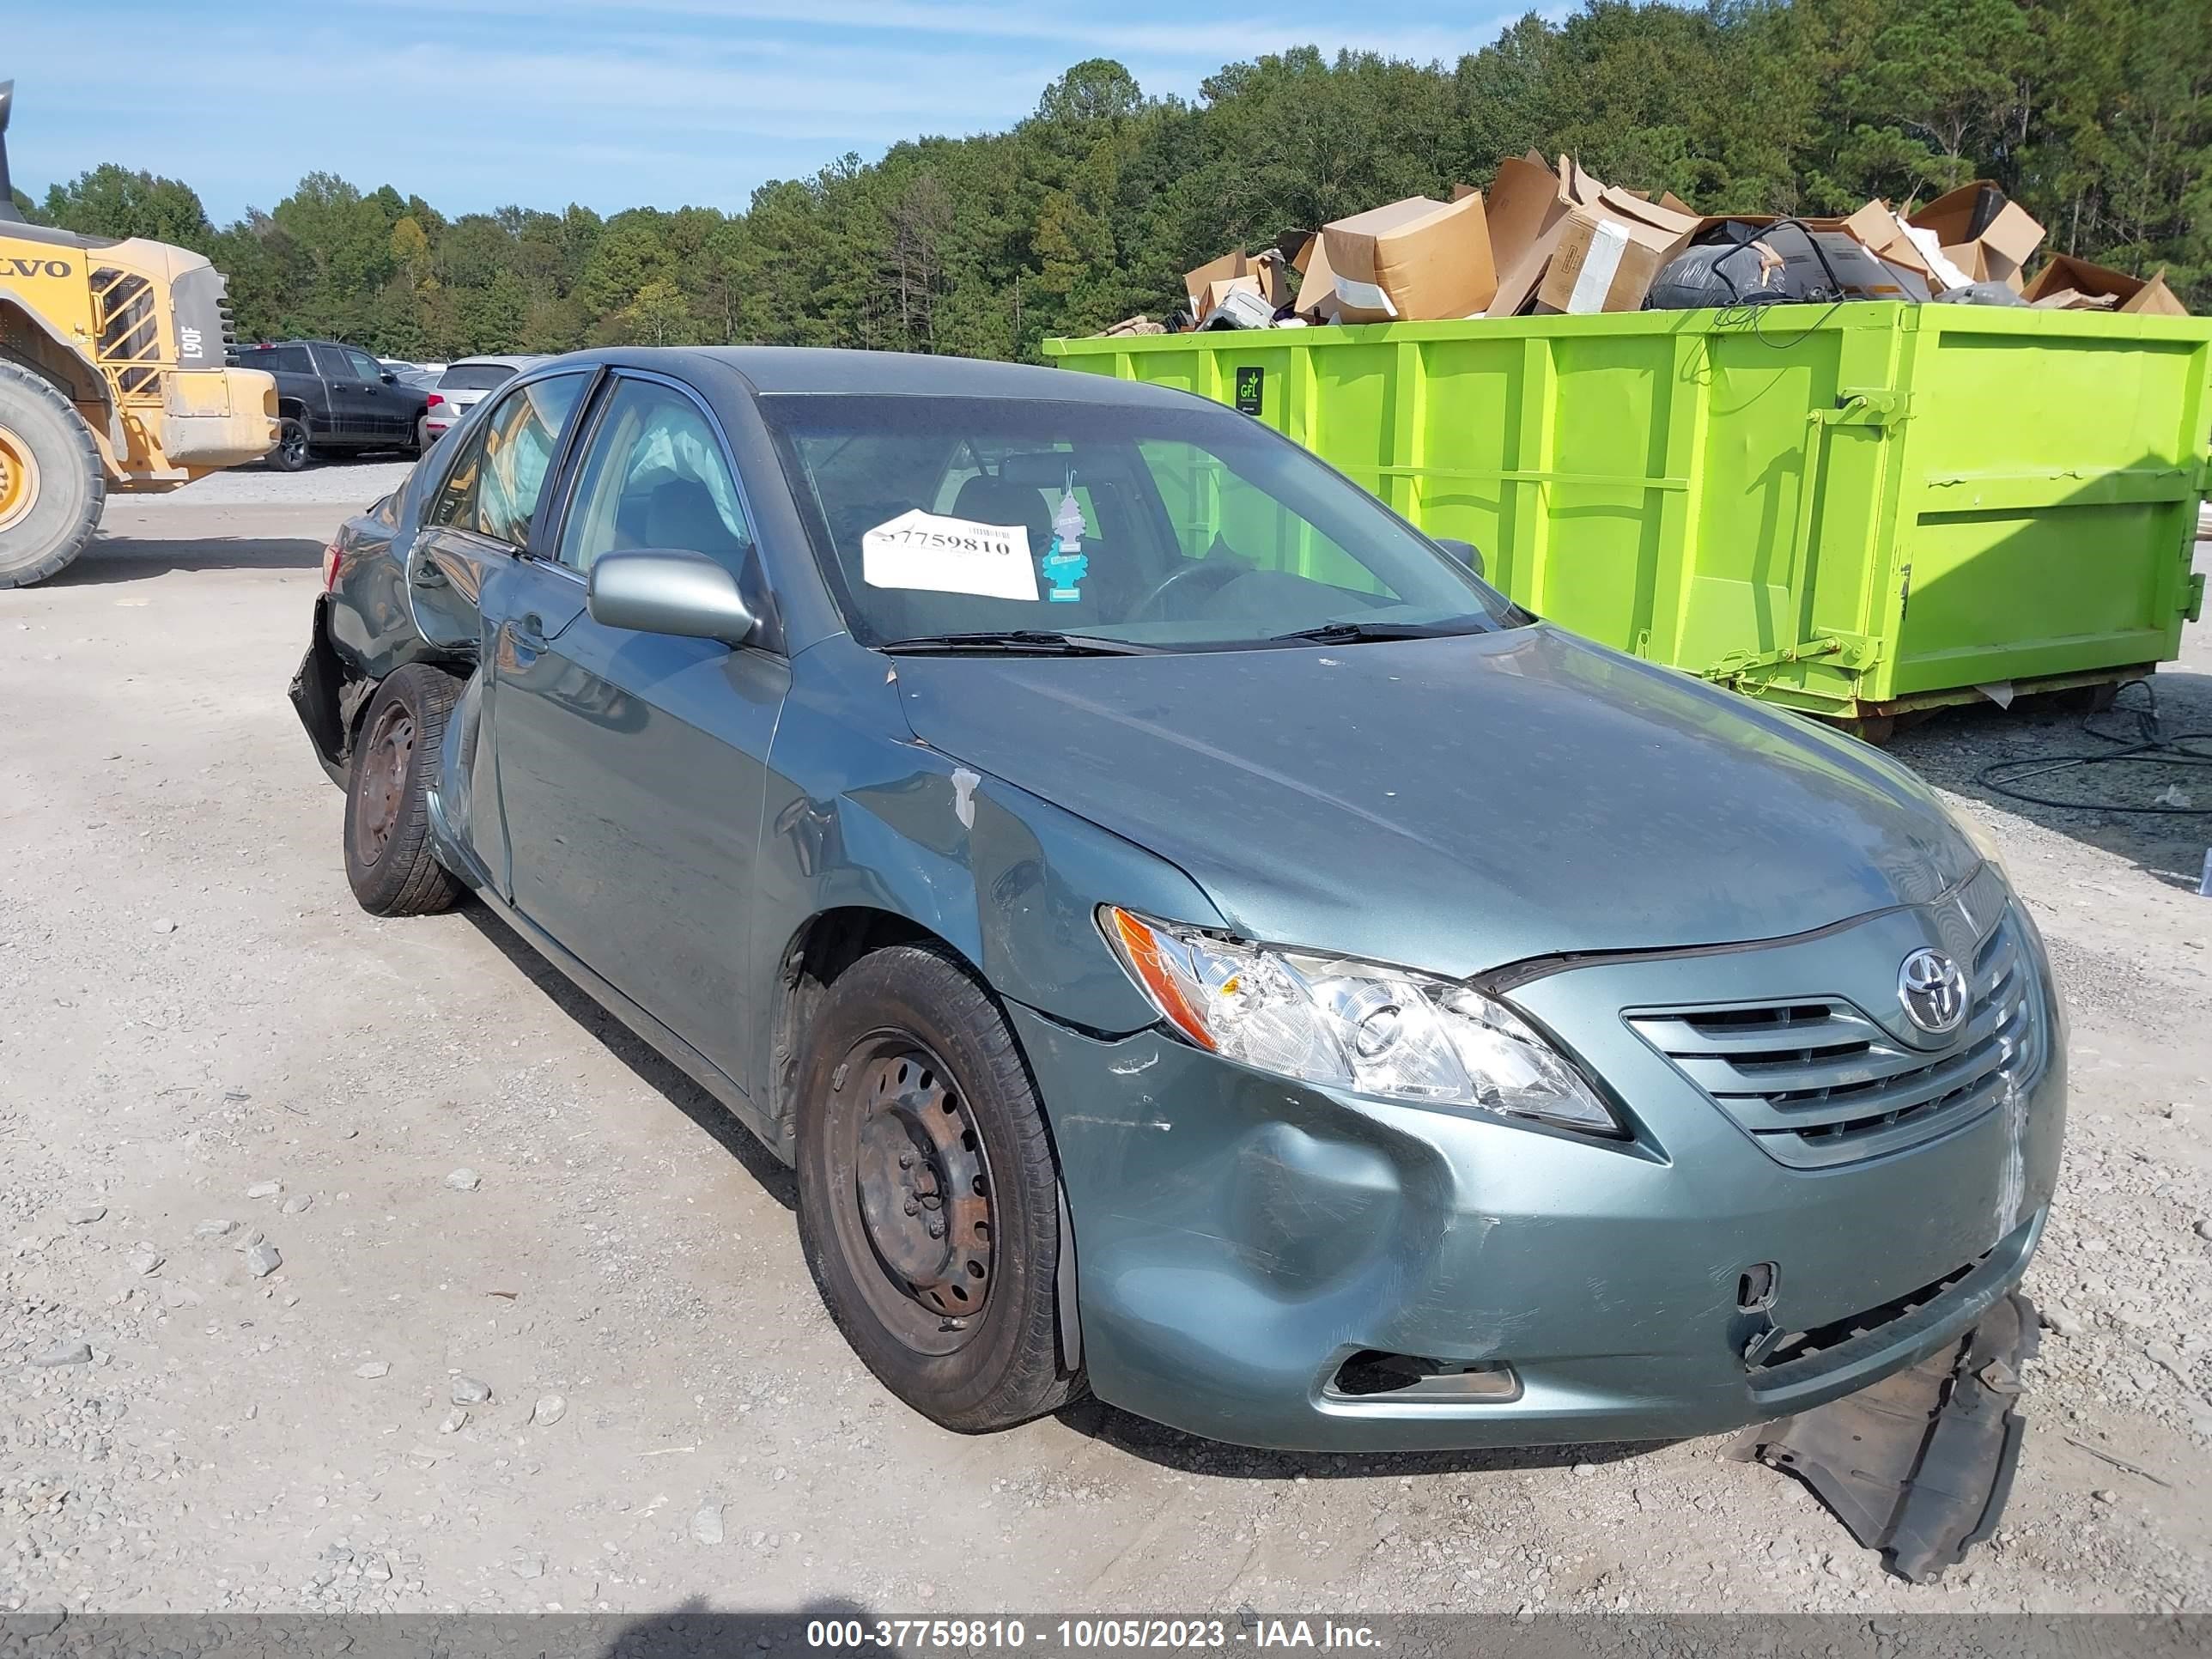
<point x="1195" y="941"/>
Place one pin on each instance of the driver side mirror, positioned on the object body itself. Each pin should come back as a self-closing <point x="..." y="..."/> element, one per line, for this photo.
<point x="1466" y="552"/>
<point x="390" y="377"/>
<point x="667" y="591"/>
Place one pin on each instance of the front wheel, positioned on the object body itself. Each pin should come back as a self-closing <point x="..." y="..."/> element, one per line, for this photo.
<point x="51" y="482"/>
<point x="928" y="1197"/>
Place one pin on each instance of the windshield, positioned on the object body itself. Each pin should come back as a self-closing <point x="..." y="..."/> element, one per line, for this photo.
<point x="1165" y="528"/>
<point x="475" y="377"/>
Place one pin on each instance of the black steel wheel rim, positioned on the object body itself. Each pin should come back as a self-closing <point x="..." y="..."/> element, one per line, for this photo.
<point x="914" y="1199"/>
<point x="385" y="761"/>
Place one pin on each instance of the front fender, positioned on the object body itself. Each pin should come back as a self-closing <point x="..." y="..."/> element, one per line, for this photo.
<point x="862" y="815"/>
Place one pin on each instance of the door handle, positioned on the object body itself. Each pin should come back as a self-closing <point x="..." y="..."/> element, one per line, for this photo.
<point x="428" y="575"/>
<point x="529" y="632"/>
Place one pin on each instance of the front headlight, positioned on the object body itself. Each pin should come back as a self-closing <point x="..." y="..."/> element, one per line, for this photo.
<point x="1352" y="1026"/>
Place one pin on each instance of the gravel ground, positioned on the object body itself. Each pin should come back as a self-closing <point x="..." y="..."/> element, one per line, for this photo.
<point x="359" y="1265"/>
<point x="325" y="484"/>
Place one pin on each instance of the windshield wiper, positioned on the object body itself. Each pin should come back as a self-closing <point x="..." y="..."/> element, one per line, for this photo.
<point x="1020" y="641"/>
<point x="1359" y="633"/>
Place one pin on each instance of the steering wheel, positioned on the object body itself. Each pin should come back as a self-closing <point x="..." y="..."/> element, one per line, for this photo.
<point x="1149" y="608"/>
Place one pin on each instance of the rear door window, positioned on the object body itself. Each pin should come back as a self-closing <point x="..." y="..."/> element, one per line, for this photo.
<point x="494" y="485"/>
<point x="330" y="364"/>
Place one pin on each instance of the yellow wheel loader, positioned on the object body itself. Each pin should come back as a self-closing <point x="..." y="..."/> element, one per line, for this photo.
<point x="112" y="379"/>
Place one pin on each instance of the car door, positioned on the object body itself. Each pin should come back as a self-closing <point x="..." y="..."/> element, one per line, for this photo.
<point x="389" y="411"/>
<point x="352" y="416"/>
<point x="300" y="382"/>
<point x="632" y="767"/>
<point x="475" y="529"/>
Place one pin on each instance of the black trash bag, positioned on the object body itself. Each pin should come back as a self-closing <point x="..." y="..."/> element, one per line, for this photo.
<point x="1787" y="263"/>
<point x="1979" y="294"/>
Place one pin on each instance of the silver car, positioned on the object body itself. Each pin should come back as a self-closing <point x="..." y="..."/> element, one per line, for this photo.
<point x="465" y="383"/>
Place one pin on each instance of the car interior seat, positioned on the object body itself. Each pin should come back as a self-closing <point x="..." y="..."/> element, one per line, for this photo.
<point x="681" y="513"/>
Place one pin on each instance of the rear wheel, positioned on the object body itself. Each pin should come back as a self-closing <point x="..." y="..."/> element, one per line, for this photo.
<point x="292" y="450"/>
<point x="51" y="482"/>
<point x="929" y="1198"/>
<point x="390" y="861"/>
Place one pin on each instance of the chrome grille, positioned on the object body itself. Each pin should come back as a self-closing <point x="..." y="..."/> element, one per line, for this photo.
<point x="1817" y="1082"/>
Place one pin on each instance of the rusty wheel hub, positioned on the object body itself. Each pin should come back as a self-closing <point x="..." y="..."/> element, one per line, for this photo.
<point x="386" y="760"/>
<point x="923" y="1184"/>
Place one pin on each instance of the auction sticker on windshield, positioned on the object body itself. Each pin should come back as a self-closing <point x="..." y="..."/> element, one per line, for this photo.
<point x="925" y="551"/>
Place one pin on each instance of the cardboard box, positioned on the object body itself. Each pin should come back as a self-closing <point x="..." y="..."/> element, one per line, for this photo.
<point x="1210" y="300"/>
<point x="1528" y="202"/>
<point x="1416" y="260"/>
<point x="1981" y="230"/>
<point x="1308" y="257"/>
<point x="1583" y="190"/>
<point x="1601" y="263"/>
<point x="2067" y="299"/>
<point x="1609" y="252"/>
<point x="1264" y="271"/>
<point x="2063" y="273"/>
<point x="1884" y="234"/>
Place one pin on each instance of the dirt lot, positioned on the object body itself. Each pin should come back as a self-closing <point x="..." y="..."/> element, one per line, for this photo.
<point x="212" y="1053"/>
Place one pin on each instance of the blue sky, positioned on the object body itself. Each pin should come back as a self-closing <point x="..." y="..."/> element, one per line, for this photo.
<point x="477" y="103"/>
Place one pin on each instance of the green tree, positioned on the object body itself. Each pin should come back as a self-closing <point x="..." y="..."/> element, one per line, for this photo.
<point x="2096" y="115"/>
<point x="658" y="315"/>
<point x="1948" y="82"/>
<point x="113" y="201"/>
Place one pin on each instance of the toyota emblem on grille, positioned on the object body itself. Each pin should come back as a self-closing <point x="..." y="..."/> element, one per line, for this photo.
<point x="1933" y="989"/>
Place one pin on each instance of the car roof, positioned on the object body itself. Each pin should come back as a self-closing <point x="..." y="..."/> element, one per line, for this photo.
<point x="773" y="371"/>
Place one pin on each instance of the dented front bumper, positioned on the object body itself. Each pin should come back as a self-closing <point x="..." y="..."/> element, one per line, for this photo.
<point x="1240" y="1238"/>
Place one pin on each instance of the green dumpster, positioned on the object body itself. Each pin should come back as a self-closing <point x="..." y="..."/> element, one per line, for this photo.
<point x="1856" y="511"/>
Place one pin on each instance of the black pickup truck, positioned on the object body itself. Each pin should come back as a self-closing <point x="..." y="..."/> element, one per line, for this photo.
<point x="331" y="397"/>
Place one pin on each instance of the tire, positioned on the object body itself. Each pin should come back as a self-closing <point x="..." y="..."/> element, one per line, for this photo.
<point x="53" y="483"/>
<point x="965" y="1327"/>
<point x="294" y="451"/>
<point x="389" y="861"/>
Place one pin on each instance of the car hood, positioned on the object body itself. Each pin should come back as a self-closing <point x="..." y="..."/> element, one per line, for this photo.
<point x="1455" y="804"/>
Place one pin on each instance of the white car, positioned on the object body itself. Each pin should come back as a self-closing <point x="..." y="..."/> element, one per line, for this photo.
<point x="465" y="383"/>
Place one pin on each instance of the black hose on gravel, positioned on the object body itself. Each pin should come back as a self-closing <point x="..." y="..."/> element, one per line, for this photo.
<point x="2147" y="745"/>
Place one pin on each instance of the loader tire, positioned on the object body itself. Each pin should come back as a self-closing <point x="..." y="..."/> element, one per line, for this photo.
<point x="52" y="485"/>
